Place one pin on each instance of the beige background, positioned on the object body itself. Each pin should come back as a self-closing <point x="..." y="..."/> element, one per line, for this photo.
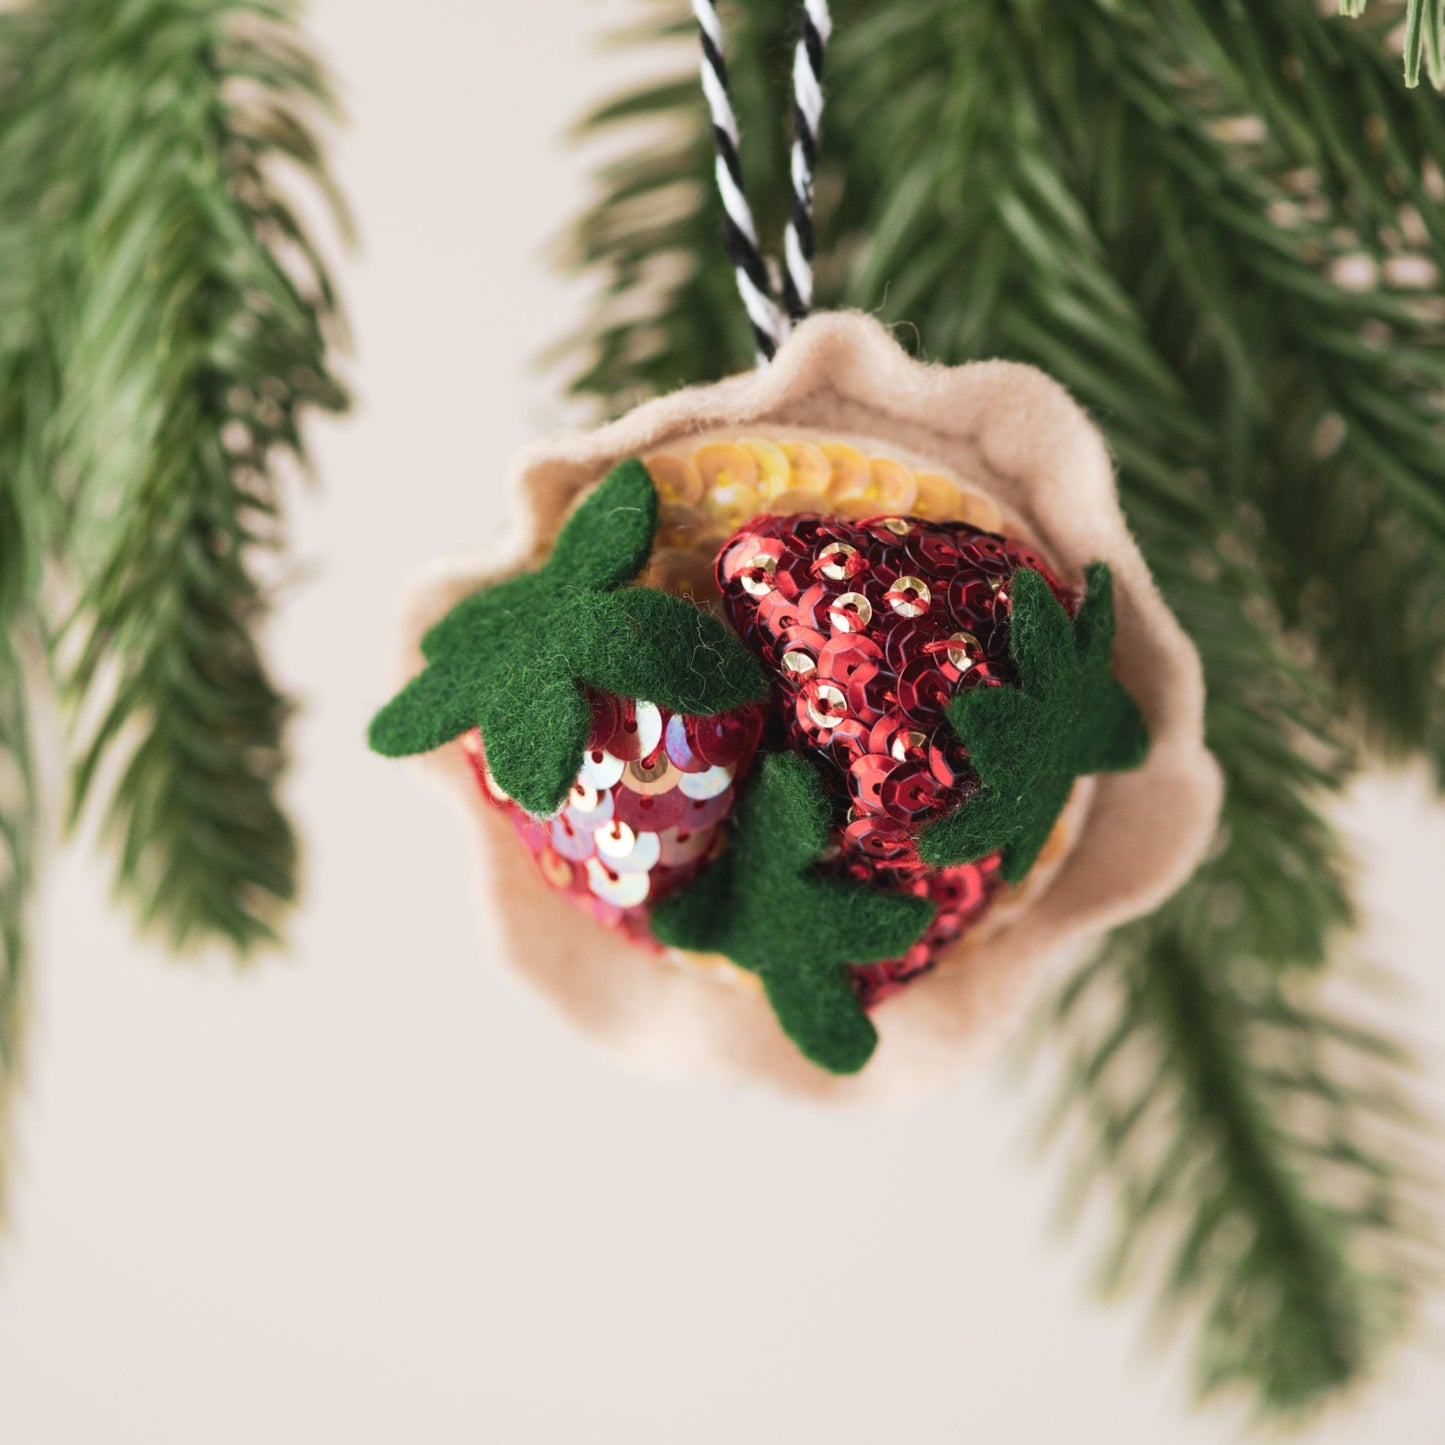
<point x="373" y="1192"/>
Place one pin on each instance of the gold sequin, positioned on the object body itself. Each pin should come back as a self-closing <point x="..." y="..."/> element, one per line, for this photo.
<point x="892" y="484"/>
<point x="811" y="469"/>
<point x="677" y="479"/>
<point x="730" y="476"/>
<point x="757" y="576"/>
<point x="649" y="779"/>
<point x="851" y="612"/>
<point x="958" y="653"/>
<point x="827" y="706"/>
<point x="906" y="742"/>
<point x="909" y="596"/>
<point x="708" y="493"/>
<point x="979" y="511"/>
<point x="937" y="498"/>
<point x="850" y="471"/>
<point x="833" y="560"/>
<point x="774" y="472"/>
<point x="798" y="499"/>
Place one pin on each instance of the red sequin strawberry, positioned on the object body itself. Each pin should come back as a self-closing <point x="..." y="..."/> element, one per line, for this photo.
<point x="870" y="629"/>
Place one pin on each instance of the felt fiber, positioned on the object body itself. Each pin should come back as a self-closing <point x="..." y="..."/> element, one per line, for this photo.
<point x="762" y="905"/>
<point x="512" y="658"/>
<point x="1066" y="719"/>
<point x="1129" y="839"/>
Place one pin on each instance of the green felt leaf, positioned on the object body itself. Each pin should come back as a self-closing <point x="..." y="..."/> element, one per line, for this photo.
<point x="1066" y="719"/>
<point x="429" y="711"/>
<point x="763" y="905"/>
<point x="643" y="643"/>
<point x="608" y="539"/>
<point x="536" y="765"/>
<point x="513" y="658"/>
<point x="494" y="607"/>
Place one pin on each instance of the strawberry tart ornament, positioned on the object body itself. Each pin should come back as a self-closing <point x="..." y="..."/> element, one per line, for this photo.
<point x="830" y="702"/>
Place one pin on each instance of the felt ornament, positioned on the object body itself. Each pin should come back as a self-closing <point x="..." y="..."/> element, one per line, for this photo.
<point x="811" y="700"/>
<point x="951" y="727"/>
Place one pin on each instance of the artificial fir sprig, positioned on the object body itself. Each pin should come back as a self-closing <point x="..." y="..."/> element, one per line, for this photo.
<point x="28" y="519"/>
<point x="189" y="352"/>
<point x="1424" y="37"/>
<point x="1347" y="377"/>
<point x="1159" y="201"/>
<point x="1204" y="1095"/>
<point x="165" y="321"/>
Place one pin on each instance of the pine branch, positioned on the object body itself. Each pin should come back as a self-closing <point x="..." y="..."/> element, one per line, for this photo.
<point x="1205" y="1096"/>
<point x="1057" y="184"/>
<point x="1341" y="389"/>
<point x="193" y="338"/>
<point x="27" y="522"/>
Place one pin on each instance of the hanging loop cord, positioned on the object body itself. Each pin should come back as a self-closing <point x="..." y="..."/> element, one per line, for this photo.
<point x="817" y="27"/>
<point x="771" y="322"/>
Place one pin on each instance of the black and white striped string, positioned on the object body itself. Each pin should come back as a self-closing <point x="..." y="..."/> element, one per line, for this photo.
<point x="771" y="320"/>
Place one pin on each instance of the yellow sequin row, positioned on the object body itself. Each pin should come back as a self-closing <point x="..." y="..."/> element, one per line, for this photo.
<point x="708" y="494"/>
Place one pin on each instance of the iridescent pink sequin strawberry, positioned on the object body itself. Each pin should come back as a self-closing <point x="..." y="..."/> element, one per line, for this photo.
<point x="645" y="814"/>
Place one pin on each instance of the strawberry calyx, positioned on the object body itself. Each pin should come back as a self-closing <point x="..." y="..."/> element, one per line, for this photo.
<point x="1066" y="719"/>
<point x="515" y="659"/>
<point x="764" y="904"/>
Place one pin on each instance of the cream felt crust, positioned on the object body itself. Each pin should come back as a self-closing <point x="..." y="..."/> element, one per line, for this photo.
<point x="1001" y="428"/>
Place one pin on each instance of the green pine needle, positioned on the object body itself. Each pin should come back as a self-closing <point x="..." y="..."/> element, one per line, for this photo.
<point x="1168" y="204"/>
<point x="1424" y="38"/>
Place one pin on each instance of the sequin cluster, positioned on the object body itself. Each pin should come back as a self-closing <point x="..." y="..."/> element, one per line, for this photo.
<point x="706" y="494"/>
<point x="645" y="814"/>
<point x="870" y="629"/>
